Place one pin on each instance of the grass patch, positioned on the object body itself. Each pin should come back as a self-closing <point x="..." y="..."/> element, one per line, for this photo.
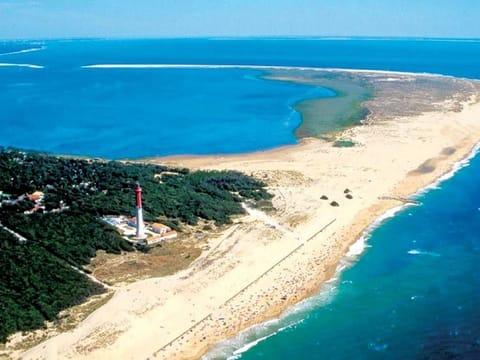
<point x="332" y="114"/>
<point x="164" y="259"/>
<point x="77" y="314"/>
<point x="344" y="143"/>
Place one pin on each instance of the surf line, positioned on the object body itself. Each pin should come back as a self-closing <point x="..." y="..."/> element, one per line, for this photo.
<point x="245" y="287"/>
<point x="23" y="51"/>
<point x="31" y="66"/>
<point x="256" y="67"/>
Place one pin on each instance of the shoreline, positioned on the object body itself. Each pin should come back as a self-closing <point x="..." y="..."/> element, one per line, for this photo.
<point x="348" y="259"/>
<point x="259" y="67"/>
<point x="382" y="214"/>
<point x="294" y="74"/>
<point x="355" y="251"/>
<point x="238" y="282"/>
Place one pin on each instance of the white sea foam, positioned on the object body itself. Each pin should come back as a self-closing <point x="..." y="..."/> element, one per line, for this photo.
<point x="379" y="221"/>
<point x="237" y="353"/>
<point x="23" y="51"/>
<point x="419" y="252"/>
<point x="31" y="66"/>
<point x="233" y="348"/>
<point x="246" y="347"/>
<point x="254" y="67"/>
<point x="357" y="248"/>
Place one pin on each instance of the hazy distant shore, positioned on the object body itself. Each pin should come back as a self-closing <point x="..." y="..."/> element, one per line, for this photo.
<point x="266" y="262"/>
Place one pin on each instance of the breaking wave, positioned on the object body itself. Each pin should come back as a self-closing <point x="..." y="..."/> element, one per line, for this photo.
<point x="31" y="66"/>
<point x="23" y="51"/>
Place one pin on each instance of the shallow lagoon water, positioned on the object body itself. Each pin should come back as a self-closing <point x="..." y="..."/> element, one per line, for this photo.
<point x="52" y="103"/>
<point x="142" y="113"/>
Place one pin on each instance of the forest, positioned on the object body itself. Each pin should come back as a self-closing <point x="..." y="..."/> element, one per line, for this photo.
<point x="38" y="280"/>
<point x="35" y="285"/>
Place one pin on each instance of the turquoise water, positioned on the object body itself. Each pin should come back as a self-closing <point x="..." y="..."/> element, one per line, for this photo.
<point x="414" y="293"/>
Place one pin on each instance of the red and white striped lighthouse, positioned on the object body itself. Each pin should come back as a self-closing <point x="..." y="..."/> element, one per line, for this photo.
<point x="139" y="212"/>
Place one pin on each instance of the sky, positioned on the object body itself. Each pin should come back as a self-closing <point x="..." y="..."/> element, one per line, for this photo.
<point x="41" y="19"/>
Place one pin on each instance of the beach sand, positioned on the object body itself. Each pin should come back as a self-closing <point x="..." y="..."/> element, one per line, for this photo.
<point x="264" y="263"/>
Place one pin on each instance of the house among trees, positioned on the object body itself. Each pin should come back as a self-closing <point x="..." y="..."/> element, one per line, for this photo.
<point x="160" y="228"/>
<point x="36" y="196"/>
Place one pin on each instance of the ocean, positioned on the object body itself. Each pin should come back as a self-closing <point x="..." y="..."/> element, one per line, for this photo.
<point x="52" y="100"/>
<point x="410" y="289"/>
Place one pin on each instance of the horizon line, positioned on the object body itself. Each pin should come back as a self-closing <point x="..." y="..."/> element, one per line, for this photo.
<point x="250" y="37"/>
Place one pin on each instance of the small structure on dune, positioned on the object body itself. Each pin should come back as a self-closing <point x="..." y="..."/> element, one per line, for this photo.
<point x="160" y="228"/>
<point x="135" y="230"/>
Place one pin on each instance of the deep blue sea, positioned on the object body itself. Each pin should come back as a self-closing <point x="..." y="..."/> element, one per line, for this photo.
<point x="51" y="102"/>
<point x="414" y="290"/>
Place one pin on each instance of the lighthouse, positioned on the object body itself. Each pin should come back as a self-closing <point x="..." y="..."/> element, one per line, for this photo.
<point x="139" y="212"/>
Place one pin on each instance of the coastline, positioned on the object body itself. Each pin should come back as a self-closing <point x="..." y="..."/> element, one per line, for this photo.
<point x="360" y="231"/>
<point x="252" y="274"/>
<point x="366" y="222"/>
<point x="239" y="344"/>
<point x="259" y="67"/>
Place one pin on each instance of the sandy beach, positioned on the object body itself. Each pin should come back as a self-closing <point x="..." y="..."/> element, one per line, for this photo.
<point x="265" y="262"/>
